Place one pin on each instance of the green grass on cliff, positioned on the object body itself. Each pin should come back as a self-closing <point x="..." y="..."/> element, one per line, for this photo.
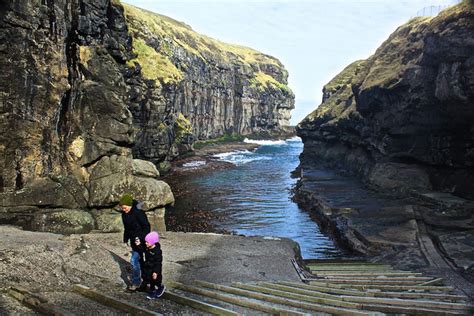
<point x="262" y="81"/>
<point x="154" y="65"/>
<point x="387" y="67"/>
<point x="182" y="127"/>
<point x="340" y="89"/>
<point x="345" y="77"/>
<point x="173" y="36"/>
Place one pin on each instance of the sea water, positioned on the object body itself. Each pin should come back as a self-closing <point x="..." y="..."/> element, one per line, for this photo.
<point x="254" y="197"/>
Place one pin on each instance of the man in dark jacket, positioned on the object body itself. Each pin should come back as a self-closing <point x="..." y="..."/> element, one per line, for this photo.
<point x="136" y="227"/>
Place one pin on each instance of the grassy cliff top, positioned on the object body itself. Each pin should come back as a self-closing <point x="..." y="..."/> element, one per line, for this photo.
<point x="405" y="46"/>
<point x="145" y="25"/>
<point x="386" y="68"/>
<point x="340" y="90"/>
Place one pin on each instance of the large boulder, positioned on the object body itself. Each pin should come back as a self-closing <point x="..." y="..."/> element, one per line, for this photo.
<point x="63" y="221"/>
<point x="45" y="192"/>
<point x="113" y="176"/>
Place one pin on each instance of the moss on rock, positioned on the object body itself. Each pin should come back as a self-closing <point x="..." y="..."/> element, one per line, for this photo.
<point x="155" y="66"/>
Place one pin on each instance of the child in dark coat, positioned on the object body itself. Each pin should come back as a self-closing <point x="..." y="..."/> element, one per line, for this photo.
<point x="152" y="265"/>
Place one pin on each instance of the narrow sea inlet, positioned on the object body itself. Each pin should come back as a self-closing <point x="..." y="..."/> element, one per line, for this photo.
<point x="254" y="197"/>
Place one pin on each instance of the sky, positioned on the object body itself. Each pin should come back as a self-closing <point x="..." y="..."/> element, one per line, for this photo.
<point x="314" y="39"/>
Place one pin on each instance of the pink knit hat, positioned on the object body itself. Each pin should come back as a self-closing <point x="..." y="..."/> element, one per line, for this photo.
<point x="152" y="238"/>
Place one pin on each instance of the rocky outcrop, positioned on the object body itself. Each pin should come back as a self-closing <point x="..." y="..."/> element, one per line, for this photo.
<point x="403" y="118"/>
<point x="67" y="133"/>
<point x="91" y="108"/>
<point x="402" y="122"/>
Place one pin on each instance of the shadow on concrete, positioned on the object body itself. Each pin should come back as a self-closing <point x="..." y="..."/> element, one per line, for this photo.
<point x="125" y="268"/>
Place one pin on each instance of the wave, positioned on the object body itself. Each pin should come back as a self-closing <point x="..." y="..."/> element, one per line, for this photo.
<point x="240" y="157"/>
<point x="264" y="142"/>
<point x="194" y="164"/>
<point x="293" y="139"/>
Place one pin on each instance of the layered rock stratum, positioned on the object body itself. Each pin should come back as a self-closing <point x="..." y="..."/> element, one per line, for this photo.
<point x="96" y="98"/>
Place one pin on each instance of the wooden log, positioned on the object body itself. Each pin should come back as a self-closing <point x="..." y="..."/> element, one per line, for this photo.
<point x="323" y="289"/>
<point x="369" y="282"/>
<point x="381" y="278"/>
<point x="374" y="300"/>
<point x="432" y="296"/>
<point x="203" y="306"/>
<point x="384" y="287"/>
<point x="326" y="299"/>
<point x="359" y="264"/>
<point x="339" y="262"/>
<point x="284" y="301"/>
<point x="111" y="302"/>
<point x="411" y="311"/>
<point x="405" y="302"/>
<point x="235" y="300"/>
<point x="411" y="295"/>
<point x="368" y="274"/>
<point x="433" y="282"/>
<point x="350" y="268"/>
<point x="41" y="306"/>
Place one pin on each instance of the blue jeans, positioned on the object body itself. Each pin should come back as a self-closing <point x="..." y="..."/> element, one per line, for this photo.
<point x="136" y="271"/>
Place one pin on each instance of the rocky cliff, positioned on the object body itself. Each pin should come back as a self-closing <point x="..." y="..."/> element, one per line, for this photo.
<point x="403" y="118"/>
<point x="219" y="88"/>
<point x="94" y="98"/>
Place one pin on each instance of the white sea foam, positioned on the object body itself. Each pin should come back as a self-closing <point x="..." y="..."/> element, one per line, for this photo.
<point x="240" y="157"/>
<point x="294" y="139"/>
<point x="194" y="164"/>
<point x="264" y="142"/>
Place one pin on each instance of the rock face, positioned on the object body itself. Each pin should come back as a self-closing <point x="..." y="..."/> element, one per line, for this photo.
<point x="403" y="119"/>
<point x="219" y="88"/>
<point x="402" y="122"/>
<point x="93" y="100"/>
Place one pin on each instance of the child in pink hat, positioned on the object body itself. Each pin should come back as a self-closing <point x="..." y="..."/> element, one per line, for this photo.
<point x="153" y="262"/>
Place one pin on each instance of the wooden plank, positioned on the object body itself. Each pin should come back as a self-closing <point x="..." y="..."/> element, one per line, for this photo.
<point x="369" y="282"/>
<point x="205" y="307"/>
<point x="326" y="299"/>
<point x="412" y="295"/>
<point x="384" y="287"/>
<point x="41" y="306"/>
<point x="405" y="302"/>
<point x="302" y="290"/>
<point x="368" y="274"/>
<point x="411" y="311"/>
<point x="235" y="300"/>
<point x="381" y="278"/>
<point x="373" y="300"/>
<point x="284" y="301"/>
<point x="323" y="289"/>
<point x="360" y="264"/>
<point x="433" y="282"/>
<point x="110" y="301"/>
<point x="338" y="261"/>
<point x="354" y="269"/>
<point x="349" y="267"/>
